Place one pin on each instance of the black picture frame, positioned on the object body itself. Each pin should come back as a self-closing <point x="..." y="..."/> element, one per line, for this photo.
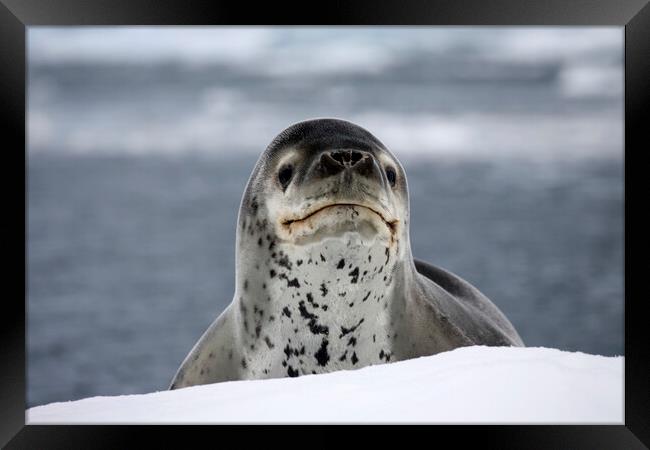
<point x="17" y="15"/>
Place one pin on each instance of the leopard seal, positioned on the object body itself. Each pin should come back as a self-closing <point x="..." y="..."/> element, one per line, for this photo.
<point x="325" y="277"/>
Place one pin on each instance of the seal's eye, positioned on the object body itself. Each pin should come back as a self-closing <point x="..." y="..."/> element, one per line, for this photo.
<point x="390" y="174"/>
<point x="284" y="176"/>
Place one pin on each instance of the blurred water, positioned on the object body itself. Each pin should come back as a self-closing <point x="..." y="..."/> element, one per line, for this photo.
<point x="451" y="93"/>
<point x="136" y="170"/>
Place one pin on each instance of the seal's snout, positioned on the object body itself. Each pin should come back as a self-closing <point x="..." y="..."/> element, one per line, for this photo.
<point x="346" y="158"/>
<point x="334" y="162"/>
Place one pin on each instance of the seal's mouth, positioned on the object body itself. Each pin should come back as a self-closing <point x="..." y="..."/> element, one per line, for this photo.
<point x="296" y="226"/>
<point x="391" y="224"/>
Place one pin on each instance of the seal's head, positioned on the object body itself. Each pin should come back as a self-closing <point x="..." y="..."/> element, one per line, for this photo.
<point x="323" y="178"/>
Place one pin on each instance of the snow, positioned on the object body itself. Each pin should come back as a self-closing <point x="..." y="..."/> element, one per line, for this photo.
<point x="467" y="385"/>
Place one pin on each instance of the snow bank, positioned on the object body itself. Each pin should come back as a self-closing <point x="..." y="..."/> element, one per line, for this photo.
<point x="467" y="385"/>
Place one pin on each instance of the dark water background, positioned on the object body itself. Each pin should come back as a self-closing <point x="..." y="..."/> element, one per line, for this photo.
<point x="136" y="168"/>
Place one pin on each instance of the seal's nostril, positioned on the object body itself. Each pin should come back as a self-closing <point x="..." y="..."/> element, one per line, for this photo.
<point x="341" y="157"/>
<point x="330" y="165"/>
<point x="355" y="157"/>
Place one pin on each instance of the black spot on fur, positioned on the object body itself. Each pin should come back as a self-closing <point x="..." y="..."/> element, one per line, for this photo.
<point x="268" y="341"/>
<point x="259" y="242"/>
<point x="314" y="327"/>
<point x="288" y="351"/>
<point x="286" y="312"/>
<point x="352" y="341"/>
<point x="271" y="245"/>
<point x="341" y="264"/>
<point x="366" y="297"/>
<point x="292" y="373"/>
<point x="322" y="356"/>
<point x="284" y="262"/>
<point x="299" y="262"/>
<point x="258" y="329"/>
<point x="293" y="283"/>
<point x="354" y="358"/>
<point x="310" y="299"/>
<point x="355" y="275"/>
<point x="243" y="363"/>
<point x="345" y="331"/>
<point x="344" y="356"/>
<point x="272" y="273"/>
<point x="323" y="289"/>
<point x="322" y="258"/>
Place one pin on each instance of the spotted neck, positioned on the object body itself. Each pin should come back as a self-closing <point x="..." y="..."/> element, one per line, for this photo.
<point x="314" y="308"/>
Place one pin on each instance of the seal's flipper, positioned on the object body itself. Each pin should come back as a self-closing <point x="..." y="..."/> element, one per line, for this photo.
<point x="470" y="296"/>
<point x="447" y="280"/>
<point x="212" y="358"/>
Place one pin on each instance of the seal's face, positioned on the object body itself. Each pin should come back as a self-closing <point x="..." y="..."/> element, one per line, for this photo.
<point x="326" y="193"/>
<point x="315" y="189"/>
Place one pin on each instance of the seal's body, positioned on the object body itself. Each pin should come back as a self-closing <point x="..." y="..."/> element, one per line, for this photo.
<point x="325" y="278"/>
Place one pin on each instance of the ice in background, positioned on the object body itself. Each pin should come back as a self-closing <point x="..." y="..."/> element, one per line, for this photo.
<point x="141" y="140"/>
